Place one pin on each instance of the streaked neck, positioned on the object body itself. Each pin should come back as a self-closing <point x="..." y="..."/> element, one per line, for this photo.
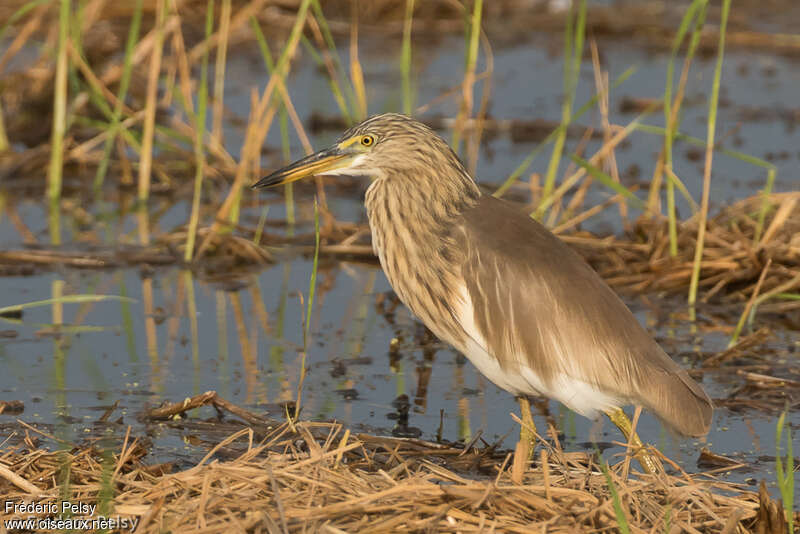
<point x="412" y="234"/>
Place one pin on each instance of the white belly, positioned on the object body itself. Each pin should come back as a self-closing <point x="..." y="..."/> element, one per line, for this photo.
<point x="520" y="379"/>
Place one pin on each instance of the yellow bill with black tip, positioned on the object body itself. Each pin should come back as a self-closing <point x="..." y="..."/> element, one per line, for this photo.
<point x="323" y="161"/>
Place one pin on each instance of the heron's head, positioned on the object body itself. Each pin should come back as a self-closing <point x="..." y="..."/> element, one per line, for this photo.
<point x="389" y="146"/>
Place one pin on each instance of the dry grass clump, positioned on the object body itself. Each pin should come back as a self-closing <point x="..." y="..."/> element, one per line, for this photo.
<point x="317" y="477"/>
<point x="738" y="249"/>
<point x="225" y="251"/>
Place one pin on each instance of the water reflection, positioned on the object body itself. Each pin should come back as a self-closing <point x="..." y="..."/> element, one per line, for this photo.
<point x="370" y="365"/>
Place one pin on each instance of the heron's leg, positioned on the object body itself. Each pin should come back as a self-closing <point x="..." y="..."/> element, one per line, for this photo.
<point x="528" y="430"/>
<point x="650" y="464"/>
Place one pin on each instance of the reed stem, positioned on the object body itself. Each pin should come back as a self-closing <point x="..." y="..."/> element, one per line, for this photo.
<point x="219" y="70"/>
<point x="55" y="170"/>
<point x="356" y="73"/>
<point x="711" y="128"/>
<point x="465" y="110"/>
<point x="146" y="160"/>
<point x="4" y="144"/>
<point x="671" y="111"/>
<point x="199" y="128"/>
<point x="589" y="104"/>
<point x="54" y="175"/>
<point x="124" y="83"/>
<point x="312" y="284"/>
<point x="405" y="59"/>
<point x="573" y="52"/>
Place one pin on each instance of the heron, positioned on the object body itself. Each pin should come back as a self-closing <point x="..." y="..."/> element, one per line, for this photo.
<point x="527" y="311"/>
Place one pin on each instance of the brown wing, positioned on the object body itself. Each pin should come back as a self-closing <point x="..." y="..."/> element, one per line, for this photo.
<point x="535" y="299"/>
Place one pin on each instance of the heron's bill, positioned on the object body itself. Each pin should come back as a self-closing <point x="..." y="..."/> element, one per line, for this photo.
<point x="315" y="164"/>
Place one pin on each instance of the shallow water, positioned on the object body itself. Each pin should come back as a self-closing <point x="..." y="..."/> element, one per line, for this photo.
<point x="362" y="354"/>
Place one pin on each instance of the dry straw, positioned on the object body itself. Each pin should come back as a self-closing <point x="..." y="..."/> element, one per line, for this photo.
<point x="319" y="477"/>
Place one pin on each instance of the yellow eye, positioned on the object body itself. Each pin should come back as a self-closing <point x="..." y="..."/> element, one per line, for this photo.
<point x="367" y="140"/>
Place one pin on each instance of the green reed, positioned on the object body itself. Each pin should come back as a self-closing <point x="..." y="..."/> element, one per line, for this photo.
<point x="784" y="472"/>
<point x="148" y="129"/>
<point x="608" y="181"/>
<point x="573" y="53"/>
<point x="4" y="144"/>
<point x="336" y="73"/>
<point x="619" y="513"/>
<point x="405" y="59"/>
<point x="62" y="299"/>
<point x="671" y="116"/>
<point x="199" y="131"/>
<point x="122" y="93"/>
<point x="55" y="170"/>
<point x="23" y="10"/>
<point x="470" y="63"/>
<point x="105" y="496"/>
<point x="356" y="72"/>
<point x="261" y="119"/>
<point x="526" y="163"/>
<point x="711" y="129"/>
<point x="220" y="61"/>
<point x="312" y="285"/>
<point x="283" y="122"/>
<point x="765" y="203"/>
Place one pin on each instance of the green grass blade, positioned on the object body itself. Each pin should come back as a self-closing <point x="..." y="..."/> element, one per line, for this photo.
<point x="676" y="44"/>
<point x="622" y="520"/>
<point x="589" y="104"/>
<point x="405" y="59"/>
<point x="122" y="93"/>
<point x="105" y="497"/>
<point x="262" y="221"/>
<point x="19" y="13"/>
<point x="4" y="143"/>
<point x="68" y="299"/>
<point x="59" y="129"/>
<point x="200" y="128"/>
<point x="473" y="24"/>
<point x="312" y="51"/>
<point x="785" y="473"/>
<point x="573" y="53"/>
<point x="283" y="121"/>
<point x="608" y="181"/>
<point x="231" y="207"/>
<point x="673" y="122"/>
<point x="339" y="72"/>
<point x="571" y="180"/>
<point x="312" y="284"/>
<point x="765" y="204"/>
<point x="741" y="156"/>
<point x="712" y="124"/>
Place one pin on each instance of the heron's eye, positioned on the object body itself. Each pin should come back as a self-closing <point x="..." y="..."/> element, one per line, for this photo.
<point x="367" y="140"/>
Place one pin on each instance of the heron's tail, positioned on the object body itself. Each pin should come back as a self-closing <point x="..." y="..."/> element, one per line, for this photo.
<point x="678" y="401"/>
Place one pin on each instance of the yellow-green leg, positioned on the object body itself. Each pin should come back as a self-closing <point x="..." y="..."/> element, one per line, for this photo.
<point x="528" y="431"/>
<point x="649" y="463"/>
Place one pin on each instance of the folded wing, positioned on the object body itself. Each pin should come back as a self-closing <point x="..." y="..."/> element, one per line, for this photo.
<point x="545" y="315"/>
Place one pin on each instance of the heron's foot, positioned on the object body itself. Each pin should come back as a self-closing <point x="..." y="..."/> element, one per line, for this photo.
<point x="527" y="432"/>
<point x="651" y="464"/>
